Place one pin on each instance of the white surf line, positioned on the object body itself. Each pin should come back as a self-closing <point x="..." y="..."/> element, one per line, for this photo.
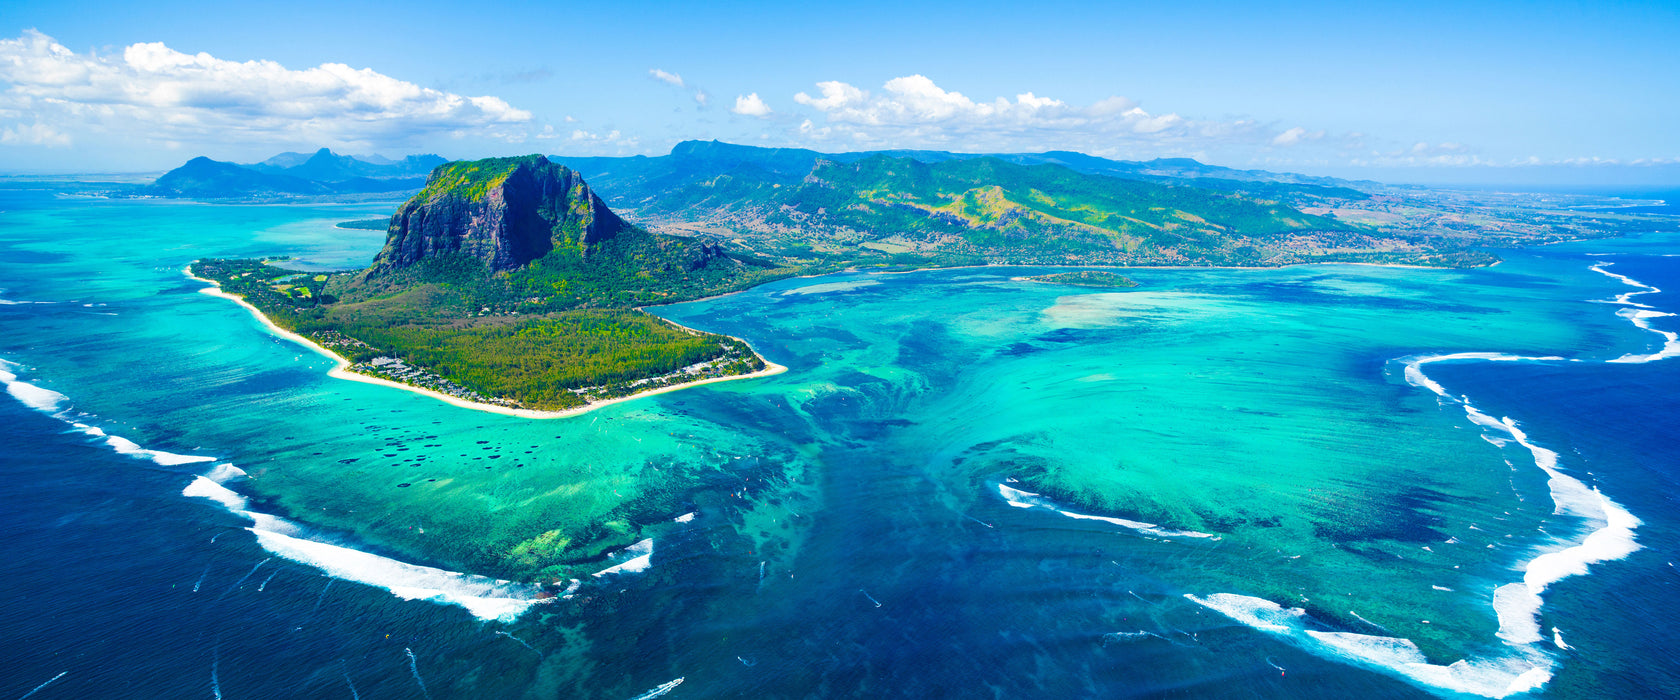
<point x="643" y="559"/>
<point x="1642" y="319"/>
<point x="485" y="598"/>
<point x="1640" y="315"/>
<point x="1025" y="499"/>
<point x="1528" y="665"/>
<point x="1631" y="282"/>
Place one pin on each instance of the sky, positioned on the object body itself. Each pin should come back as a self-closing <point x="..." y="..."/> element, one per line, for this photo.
<point x="1459" y="93"/>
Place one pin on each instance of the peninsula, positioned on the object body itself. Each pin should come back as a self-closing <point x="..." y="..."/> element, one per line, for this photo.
<point x="506" y="284"/>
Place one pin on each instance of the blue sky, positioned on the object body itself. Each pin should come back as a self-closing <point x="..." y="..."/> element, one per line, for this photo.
<point x="1417" y="92"/>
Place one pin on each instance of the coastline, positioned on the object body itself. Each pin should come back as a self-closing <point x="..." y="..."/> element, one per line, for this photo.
<point x="341" y="369"/>
<point x="1169" y="267"/>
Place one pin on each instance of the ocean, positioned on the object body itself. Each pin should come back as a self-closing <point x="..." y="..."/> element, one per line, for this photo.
<point x="1312" y="482"/>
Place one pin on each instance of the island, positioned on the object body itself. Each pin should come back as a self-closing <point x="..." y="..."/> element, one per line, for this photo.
<point x="1085" y="278"/>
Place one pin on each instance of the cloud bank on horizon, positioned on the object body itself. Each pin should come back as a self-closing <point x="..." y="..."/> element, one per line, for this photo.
<point x="54" y="98"/>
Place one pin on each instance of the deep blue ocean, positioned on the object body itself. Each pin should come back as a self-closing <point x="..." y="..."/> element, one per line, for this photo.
<point x="1268" y="410"/>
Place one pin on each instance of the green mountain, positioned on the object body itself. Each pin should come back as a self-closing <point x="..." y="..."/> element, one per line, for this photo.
<point x="205" y="178"/>
<point x="527" y="235"/>
<point x="326" y="166"/>
<point x="626" y="181"/>
<point x="998" y="211"/>
<point x="284" y="176"/>
<point x="1056" y="208"/>
<point x="508" y="281"/>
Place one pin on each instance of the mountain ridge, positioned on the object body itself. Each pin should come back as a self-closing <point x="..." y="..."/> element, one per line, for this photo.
<point x="292" y="175"/>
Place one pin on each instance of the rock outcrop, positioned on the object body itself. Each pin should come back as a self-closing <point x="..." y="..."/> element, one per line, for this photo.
<point x="505" y="212"/>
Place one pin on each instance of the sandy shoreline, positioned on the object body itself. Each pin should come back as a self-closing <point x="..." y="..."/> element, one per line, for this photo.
<point x="341" y="370"/>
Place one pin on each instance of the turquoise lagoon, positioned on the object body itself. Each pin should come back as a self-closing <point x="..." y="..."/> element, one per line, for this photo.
<point x="1307" y="482"/>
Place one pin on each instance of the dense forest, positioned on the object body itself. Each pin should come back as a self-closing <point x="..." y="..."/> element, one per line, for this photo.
<point x="545" y="361"/>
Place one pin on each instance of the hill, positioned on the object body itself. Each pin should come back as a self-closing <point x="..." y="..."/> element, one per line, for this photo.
<point x="326" y="166"/>
<point x="627" y="180"/>
<point x="992" y="210"/>
<point x="213" y="179"/>
<point x="286" y="176"/>
<point x="507" y="281"/>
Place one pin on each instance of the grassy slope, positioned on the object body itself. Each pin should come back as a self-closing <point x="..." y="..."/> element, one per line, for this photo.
<point x="1009" y="212"/>
<point x="529" y="335"/>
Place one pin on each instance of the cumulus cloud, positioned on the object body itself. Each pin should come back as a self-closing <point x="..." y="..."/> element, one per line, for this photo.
<point x="37" y="134"/>
<point x="702" y="97"/>
<point x="1296" y="135"/>
<point x="594" y="142"/>
<point x="666" y="77"/>
<point x="914" y="111"/>
<point x="152" y="91"/>
<point x="751" y="105"/>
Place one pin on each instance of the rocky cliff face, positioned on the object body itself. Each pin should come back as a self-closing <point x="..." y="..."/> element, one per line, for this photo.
<point x="503" y="211"/>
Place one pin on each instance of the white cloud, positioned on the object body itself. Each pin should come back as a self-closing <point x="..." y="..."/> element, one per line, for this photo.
<point x="1295" y="136"/>
<point x="613" y="137"/>
<point x="750" y="105"/>
<point x="702" y="97"/>
<point x="666" y="77"/>
<point x="835" y="96"/>
<point x="153" y="92"/>
<point x="614" y="142"/>
<point x="913" y="111"/>
<point x="37" y="134"/>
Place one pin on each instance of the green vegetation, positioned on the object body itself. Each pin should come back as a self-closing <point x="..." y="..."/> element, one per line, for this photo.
<point x="545" y="361"/>
<point x="470" y="179"/>
<point x="1086" y="278"/>
<point x="1001" y="212"/>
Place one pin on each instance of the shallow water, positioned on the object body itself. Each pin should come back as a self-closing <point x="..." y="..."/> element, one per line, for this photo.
<point x="857" y="527"/>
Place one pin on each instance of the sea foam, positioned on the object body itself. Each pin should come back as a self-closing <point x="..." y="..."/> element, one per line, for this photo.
<point x="1641" y="317"/>
<point x="1526" y="665"/>
<point x="1024" y="499"/>
<point x="642" y="558"/>
<point x="485" y="598"/>
<point x="1521" y="671"/>
<point x="32" y="396"/>
<point x="168" y="459"/>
